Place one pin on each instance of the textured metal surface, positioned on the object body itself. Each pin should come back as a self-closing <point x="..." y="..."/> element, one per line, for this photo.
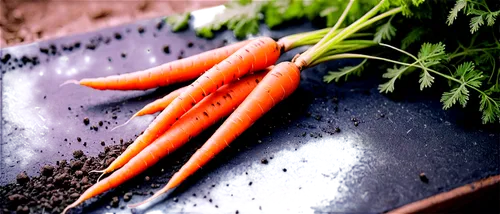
<point x="371" y="167"/>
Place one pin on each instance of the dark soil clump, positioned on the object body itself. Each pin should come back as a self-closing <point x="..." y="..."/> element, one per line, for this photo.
<point x="57" y="185"/>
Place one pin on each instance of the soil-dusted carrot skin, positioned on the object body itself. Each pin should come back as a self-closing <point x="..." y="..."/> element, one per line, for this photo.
<point x="256" y="55"/>
<point x="169" y="73"/>
<point x="278" y="84"/>
<point x="210" y="110"/>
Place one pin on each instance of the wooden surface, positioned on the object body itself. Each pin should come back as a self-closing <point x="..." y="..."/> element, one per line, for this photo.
<point x="23" y="21"/>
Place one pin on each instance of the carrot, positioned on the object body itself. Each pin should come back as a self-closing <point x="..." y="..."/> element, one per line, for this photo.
<point x="278" y="84"/>
<point x="173" y="72"/>
<point x="203" y="115"/>
<point x="155" y="106"/>
<point x="256" y="55"/>
<point x="245" y="60"/>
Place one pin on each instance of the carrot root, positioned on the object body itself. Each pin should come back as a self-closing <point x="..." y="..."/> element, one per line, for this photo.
<point x="103" y="172"/>
<point x="162" y="192"/>
<point x="76" y="82"/>
<point x="73" y="205"/>
<point x="124" y="124"/>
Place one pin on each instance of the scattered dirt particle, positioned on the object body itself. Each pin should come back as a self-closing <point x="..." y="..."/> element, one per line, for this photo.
<point x="127" y="196"/>
<point x="264" y="161"/>
<point x="114" y="202"/>
<point x="22" y="178"/>
<point x="76" y="165"/>
<point x="166" y="49"/>
<point x="86" y="121"/>
<point x="118" y="36"/>
<point x="284" y="169"/>
<point x="337" y="129"/>
<point x="141" y="30"/>
<point x="176" y="200"/>
<point x="190" y="45"/>
<point x="124" y="55"/>
<point x="103" y="143"/>
<point x="47" y="170"/>
<point x="250" y="184"/>
<point x="100" y="123"/>
<point x="77" y="153"/>
<point x="423" y="177"/>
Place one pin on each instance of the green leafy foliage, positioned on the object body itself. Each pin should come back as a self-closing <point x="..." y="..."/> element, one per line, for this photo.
<point x="490" y="108"/>
<point x="467" y="76"/>
<point x="345" y="72"/>
<point x="413" y="36"/>
<point x="385" y="32"/>
<point x="460" y="94"/>
<point x="244" y="16"/>
<point x="393" y="74"/>
<point x="179" y="22"/>
<point x="428" y="56"/>
<point x="431" y="54"/>
<point x="459" y="5"/>
<point x="477" y="72"/>
<point x="479" y="10"/>
<point x="242" y="19"/>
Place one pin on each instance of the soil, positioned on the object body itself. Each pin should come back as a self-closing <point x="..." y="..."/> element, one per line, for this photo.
<point x="24" y="21"/>
<point x="59" y="185"/>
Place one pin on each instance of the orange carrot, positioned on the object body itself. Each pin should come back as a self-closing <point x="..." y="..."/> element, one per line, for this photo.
<point x="173" y="72"/>
<point x="211" y="109"/>
<point x="278" y="84"/>
<point x="256" y="55"/>
<point x="155" y="106"/>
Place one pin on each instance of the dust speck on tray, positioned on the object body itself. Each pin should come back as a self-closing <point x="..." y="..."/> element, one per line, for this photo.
<point x="86" y="121"/>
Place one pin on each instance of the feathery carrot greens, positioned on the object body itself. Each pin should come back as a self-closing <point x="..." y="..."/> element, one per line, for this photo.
<point x="454" y="40"/>
<point x="470" y="68"/>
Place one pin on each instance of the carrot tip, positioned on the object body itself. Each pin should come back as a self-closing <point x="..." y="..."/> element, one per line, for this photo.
<point x="124" y="123"/>
<point x="73" y="205"/>
<point x="98" y="171"/>
<point x="76" y="82"/>
<point x="99" y="178"/>
<point x="152" y="198"/>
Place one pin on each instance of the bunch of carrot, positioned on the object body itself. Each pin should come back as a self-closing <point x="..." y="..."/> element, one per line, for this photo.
<point x="240" y="80"/>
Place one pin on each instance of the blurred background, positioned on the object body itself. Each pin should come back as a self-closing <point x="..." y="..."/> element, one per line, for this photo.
<point x="25" y="21"/>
